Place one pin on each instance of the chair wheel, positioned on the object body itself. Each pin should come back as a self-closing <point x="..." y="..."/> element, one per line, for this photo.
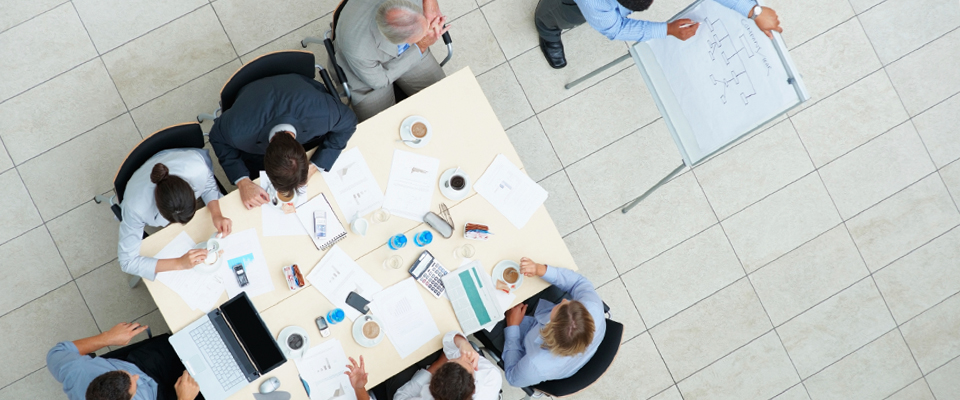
<point x="96" y="200"/>
<point x="302" y="44"/>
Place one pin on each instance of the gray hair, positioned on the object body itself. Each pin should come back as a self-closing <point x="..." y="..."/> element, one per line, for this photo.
<point x="399" y="20"/>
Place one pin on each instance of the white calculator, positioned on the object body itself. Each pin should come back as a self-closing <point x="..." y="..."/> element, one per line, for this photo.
<point x="429" y="272"/>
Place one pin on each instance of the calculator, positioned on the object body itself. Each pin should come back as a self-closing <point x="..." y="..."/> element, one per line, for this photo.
<point x="429" y="272"/>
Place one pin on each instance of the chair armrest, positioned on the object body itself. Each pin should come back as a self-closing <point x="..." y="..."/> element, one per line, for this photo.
<point x="446" y="38"/>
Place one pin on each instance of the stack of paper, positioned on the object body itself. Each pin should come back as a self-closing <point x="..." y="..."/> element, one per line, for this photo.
<point x="199" y="291"/>
<point x="413" y="178"/>
<point x="336" y="275"/>
<point x="322" y="370"/>
<point x="407" y="320"/>
<point x="353" y="185"/>
<point x="511" y="191"/>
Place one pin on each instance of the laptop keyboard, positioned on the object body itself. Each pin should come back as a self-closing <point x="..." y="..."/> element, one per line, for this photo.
<point x="219" y="359"/>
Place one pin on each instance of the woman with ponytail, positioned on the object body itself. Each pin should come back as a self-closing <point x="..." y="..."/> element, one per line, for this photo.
<point x="164" y="190"/>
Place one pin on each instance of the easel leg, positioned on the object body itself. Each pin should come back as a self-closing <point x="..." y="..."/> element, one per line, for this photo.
<point x="655" y="187"/>
<point x="596" y="71"/>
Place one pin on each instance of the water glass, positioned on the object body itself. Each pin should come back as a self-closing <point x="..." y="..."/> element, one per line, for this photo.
<point x="423" y="238"/>
<point x="465" y="251"/>
<point x="381" y="215"/>
<point x="397" y="241"/>
<point x="393" y="262"/>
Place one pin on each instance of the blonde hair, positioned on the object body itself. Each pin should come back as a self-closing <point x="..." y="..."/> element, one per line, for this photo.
<point x="570" y="331"/>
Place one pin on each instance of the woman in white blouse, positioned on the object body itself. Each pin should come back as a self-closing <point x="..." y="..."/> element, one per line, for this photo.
<point x="164" y="190"/>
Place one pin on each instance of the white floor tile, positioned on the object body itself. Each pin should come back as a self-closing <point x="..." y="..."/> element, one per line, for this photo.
<point x="38" y="385"/>
<point x="110" y="299"/>
<point x="201" y="95"/>
<point x="922" y="278"/>
<point x="951" y="177"/>
<point x="915" y="391"/>
<point x="934" y="335"/>
<point x="454" y="9"/>
<point x="759" y="370"/>
<point x="36" y="269"/>
<point x="797" y="392"/>
<point x="535" y="150"/>
<point x="100" y="17"/>
<point x="926" y="76"/>
<point x="937" y="127"/>
<point x="636" y="358"/>
<point x="622" y="309"/>
<point x="17" y="11"/>
<point x="590" y="255"/>
<point x="512" y="23"/>
<point x="502" y="90"/>
<point x="5" y="161"/>
<point x="98" y="243"/>
<point x="18" y="214"/>
<point x="895" y="29"/>
<point x="563" y="204"/>
<point x="872" y="372"/>
<point x="944" y="383"/>
<point x="251" y="24"/>
<point x="478" y="47"/>
<point x="801" y="21"/>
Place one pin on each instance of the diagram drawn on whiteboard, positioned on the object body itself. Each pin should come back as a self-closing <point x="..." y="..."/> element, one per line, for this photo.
<point x="731" y="59"/>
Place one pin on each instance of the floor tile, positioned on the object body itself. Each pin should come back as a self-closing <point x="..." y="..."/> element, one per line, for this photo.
<point x="84" y="166"/>
<point x="478" y="47"/>
<point x="586" y="50"/>
<point x="534" y="148"/>
<point x="944" y="383"/>
<point x="673" y="213"/>
<point x="636" y="358"/>
<point x="754" y="169"/>
<point x="781" y="222"/>
<point x="17" y="11"/>
<point x="808" y="275"/>
<point x="863" y="5"/>
<point x="622" y="309"/>
<point x="251" y="24"/>
<point x="710" y="329"/>
<point x="926" y="76"/>
<point x="5" y="161"/>
<point x="922" y="278"/>
<point x="683" y="275"/>
<point x="37" y="269"/>
<point x="505" y="95"/>
<point x="951" y="177"/>
<point x="672" y="393"/>
<point x="628" y="167"/>
<point x="895" y="28"/>
<point x="759" y="370"/>
<point x="98" y="243"/>
<point x="454" y="9"/>
<point x="155" y="321"/>
<point x="52" y="114"/>
<point x="110" y="299"/>
<point x="915" y="391"/>
<point x="836" y="327"/>
<point x="797" y="392"/>
<point x="934" y="335"/>
<point x="861" y="112"/>
<point x="834" y="60"/>
<point x="38" y="385"/>
<point x="17" y="212"/>
<point x="937" y="127"/>
<point x="30" y="54"/>
<point x="801" y="21"/>
<point x="201" y="95"/>
<point x="563" y="204"/>
<point x="876" y="170"/>
<point x="661" y="10"/>
<point x="577" y="128"/>
<point x="169" y="56"/>
<point x="903" y="222"/>
<point x="590" y="255"/>
<point x="139" y="17"/>
<point x="872" y="372"/>
<point x="291" y="41"/>
<point x="30" y="331"/>
<point x="512" y="23"/>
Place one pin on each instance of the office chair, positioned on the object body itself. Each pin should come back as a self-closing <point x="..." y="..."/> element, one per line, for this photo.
<point x="327" y="41"/>
<point x="186" y="135"/>
<point x="270" y="64"/>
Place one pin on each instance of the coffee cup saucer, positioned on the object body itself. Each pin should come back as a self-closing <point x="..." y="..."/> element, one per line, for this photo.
<point x="358" y="330"/>
<point x="405" y="133"/>
<point x="204" y="267"/>
<point x="502" y="266"/>
<point x="449" y="192"/>
<point x="285" y="348"/>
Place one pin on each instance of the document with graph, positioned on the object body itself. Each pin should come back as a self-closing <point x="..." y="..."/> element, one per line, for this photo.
<point x="413" y="178"/>
<point x="353" y="185"/>
<point x="322" y="370"/>
<point x="406" y="319"/>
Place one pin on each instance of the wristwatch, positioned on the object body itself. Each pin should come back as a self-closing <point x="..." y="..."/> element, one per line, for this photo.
<point x="756" y="11"/>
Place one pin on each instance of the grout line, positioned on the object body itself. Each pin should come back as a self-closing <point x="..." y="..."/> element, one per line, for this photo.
<point x="145" y="33"/>
<point x="33" y="17"/>
<point x="23" y="377"/>
<point x="47" y="80"/>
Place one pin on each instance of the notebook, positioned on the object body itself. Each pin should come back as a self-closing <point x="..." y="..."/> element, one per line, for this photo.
<point x="335" y="231"/>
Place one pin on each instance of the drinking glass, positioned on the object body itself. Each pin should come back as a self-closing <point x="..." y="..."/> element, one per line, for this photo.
<point x="381" y="215"/>
<point x="465" y="251"/>
<point x="393" y="262"/>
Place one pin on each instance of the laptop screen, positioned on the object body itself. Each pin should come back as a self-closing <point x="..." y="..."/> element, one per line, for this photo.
<point x="253" y="333"/>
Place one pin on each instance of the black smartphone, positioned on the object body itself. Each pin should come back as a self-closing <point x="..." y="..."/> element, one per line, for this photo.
<point x="358" y="302"/>
<point x="241" y="275"/>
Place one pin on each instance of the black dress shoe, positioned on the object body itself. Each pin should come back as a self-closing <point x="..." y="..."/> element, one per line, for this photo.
<point x="553" y="51"/>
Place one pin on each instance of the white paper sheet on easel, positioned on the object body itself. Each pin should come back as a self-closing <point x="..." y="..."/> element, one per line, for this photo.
<point x="510" y="191"/>
<point x="322" y="368"/>
<point x="336" y="275"/>
<point x="275" y="222"/>
<point x="244" y="247"/>
<point x="413" y="178"/>
<point x="406" y="319"/>
<point x="199" y="291"/>
<point x="353" y="185"/>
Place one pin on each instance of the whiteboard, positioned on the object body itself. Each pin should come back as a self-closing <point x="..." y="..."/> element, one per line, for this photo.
<point x="722" y="83"/>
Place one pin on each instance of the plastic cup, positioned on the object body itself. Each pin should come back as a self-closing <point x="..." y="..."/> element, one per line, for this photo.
<point x="465" y="251"/>
<point x="335" y="316"/>
<point x="397" y="241"/>
<point x="393" y="262"/>
<point x="381" y="215"/>
<point x="423" y="238"/>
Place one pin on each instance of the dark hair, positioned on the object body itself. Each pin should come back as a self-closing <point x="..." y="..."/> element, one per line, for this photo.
<point x="452" y="382"/>
<point x="286" y="163"/>
<point x="636" y="5"/>
<point x="173" y="195"/>
<point x="113" y="385"/>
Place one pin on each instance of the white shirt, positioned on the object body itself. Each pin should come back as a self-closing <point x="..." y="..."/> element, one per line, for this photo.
<point x="140" y="209"/>
<point x="487" y="378"/>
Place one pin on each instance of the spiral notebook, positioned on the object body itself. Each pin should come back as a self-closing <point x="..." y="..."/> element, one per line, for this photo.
<point x="335" y="230"/>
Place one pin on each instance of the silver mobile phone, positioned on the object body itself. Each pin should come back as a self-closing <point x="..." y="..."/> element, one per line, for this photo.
<point x="323" y="327"/>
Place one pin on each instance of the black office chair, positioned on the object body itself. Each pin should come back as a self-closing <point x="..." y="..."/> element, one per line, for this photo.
<point x="270" y="64"/>
<point x="328" y="39"/>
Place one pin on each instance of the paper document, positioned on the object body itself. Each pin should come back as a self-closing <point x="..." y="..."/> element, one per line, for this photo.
<point x="413" y="178"/>
<point x="336" y="275"/>
<point x="472" y="296"/>
<point x="199" y="291"/>
<point x="244" y="247"/>
<point x="334" y="230"/>
<point x="406" y="319"/>
<point x="322" y="370"/>
<point x="510" y="191"/>
<point x="353" y="185"/>
<point x="275" y="222"/>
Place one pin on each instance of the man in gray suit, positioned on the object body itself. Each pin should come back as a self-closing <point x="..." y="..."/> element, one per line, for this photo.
<point x="381" y="42"/>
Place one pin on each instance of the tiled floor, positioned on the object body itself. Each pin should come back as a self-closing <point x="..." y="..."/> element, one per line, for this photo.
<point x="817" y="259"/>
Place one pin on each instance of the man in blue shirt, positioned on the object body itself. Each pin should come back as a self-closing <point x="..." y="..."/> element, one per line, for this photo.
<point x="609" y="17"/>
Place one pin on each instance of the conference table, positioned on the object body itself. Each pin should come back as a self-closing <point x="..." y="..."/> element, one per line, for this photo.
<point x="466" y="134"/>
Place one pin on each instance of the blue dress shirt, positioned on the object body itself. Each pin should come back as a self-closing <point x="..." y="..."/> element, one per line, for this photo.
<point x="76" y="371"/>
<point x="525" y="362"/>
<point x="610" y="19"/>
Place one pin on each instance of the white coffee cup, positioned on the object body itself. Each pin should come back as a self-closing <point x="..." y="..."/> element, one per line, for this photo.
<point x="359" y="226"/>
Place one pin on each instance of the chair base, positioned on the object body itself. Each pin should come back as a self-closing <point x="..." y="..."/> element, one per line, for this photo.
<point x="310" y="39"/>
<point x="134" y="281"/>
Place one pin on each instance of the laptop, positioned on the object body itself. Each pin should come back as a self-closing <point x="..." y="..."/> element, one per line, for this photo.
<point x="429" y="273"/>
<point x="227" y="348"/>
<point x="473" y="299"/>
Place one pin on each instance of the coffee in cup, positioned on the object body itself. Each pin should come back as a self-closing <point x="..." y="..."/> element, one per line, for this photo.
<point x="510" y="275"/>
<point x="419" y="129"/>
<point x="457" y="182"/>
<point x="285" y="197"/>
<point x="371" y="330"/>
<point x="295" y="341"/>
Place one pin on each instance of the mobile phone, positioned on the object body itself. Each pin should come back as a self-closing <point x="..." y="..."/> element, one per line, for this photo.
<point x="241" y="275"/>
<point x="320" y="223"/>
<point x="323" y="327"/>
<point x="358" y="302"/>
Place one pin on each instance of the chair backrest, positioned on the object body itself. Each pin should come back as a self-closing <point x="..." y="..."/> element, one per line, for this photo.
<point x="172" y="137"/>
<point x="270" y="64"/>
<point x="593" y="369"/>
<point x="336" y="17"/>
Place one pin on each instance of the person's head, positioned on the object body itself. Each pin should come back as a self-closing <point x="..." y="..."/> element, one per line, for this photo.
<point x="636" y="5"/>
<point x="286" y="162"/>
<point x="113" y="385"/>
<point x="402" y="21"/>
<point x="453" y="381"/>
<point x="570" y="329"/>
<point x="173" y="195"/>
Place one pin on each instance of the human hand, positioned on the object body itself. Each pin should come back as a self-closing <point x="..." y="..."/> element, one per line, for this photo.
<point x="223" y="225"/>
<point x="122" y="333"/>
<point x="768" y="21"/>
<point x="186" y="387"/>
<point x="529" y="268"/>
<point x="192" y="258"/>
<point x="515" y="314"/>
<point x="251" y="194"/>
<point x="311" y="170"/>
<point x="434" y="32"/>
<point x="358" y="377"/>
<point x="682" y="29"/>
<point x="468" y="354"/>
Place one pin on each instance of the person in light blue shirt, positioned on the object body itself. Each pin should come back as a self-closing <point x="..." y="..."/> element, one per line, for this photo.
<point x="609" y="17"/>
